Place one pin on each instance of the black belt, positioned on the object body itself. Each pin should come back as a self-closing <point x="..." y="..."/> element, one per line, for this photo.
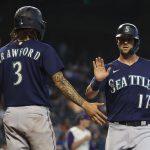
<point x="133" y="123"/>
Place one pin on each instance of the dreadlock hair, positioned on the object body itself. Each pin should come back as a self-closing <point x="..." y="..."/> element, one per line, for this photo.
<point x="23" y="34"/>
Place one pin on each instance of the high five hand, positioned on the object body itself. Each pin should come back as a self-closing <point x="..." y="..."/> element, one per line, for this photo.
<point x="100" y="71"/>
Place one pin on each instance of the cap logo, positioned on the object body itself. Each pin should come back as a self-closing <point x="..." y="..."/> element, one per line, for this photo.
<point x="127" y="29"/>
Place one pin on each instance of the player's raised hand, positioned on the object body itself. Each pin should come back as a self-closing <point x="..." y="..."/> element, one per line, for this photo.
<point x="94" y="112"/>
<point x="100" y="71"/>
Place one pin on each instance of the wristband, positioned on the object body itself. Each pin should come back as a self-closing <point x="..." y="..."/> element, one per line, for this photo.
<point x="95" y="85"/>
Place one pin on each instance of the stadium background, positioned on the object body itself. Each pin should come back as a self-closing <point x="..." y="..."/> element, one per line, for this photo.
<point x="80" y="30"/>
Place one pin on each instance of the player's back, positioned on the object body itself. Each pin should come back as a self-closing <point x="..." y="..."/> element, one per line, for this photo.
<point x="25" y="69"/>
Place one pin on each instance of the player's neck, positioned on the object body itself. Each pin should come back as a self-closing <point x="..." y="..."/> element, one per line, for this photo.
<point x="81" y="127"/>
<point x="130" y="60"/>
<point x="23" y="40"/>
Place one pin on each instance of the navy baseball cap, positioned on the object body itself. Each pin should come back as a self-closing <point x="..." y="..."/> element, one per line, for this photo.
<point x="82" y="116"/>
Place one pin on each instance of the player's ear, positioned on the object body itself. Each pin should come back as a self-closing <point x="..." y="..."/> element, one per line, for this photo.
<point x="117" y="41"/>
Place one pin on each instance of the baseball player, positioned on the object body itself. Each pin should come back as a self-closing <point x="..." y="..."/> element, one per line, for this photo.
<point x="78" y="137"/>
<point x="126" y="83"/>
<point x="26" y="64"/>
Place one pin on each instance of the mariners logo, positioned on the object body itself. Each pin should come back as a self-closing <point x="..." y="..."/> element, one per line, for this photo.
<point x="127" y="29"/>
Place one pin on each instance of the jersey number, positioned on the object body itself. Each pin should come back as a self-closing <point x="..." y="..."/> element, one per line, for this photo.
<point x="18" y="67"/>
<point x="142" y="99"/>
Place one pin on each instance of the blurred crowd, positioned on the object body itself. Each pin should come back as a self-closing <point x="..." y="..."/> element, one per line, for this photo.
<point x="63" y="112"/>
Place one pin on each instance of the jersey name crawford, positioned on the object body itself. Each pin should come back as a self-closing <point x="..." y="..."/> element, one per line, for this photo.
<point x="12" y="53"/>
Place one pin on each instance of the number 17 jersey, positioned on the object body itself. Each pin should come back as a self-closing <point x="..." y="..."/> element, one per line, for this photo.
<point x="127" y="90"/>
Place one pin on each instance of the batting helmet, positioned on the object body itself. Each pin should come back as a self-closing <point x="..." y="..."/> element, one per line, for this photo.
<point x="129" y="30"/>
<point x="29" y="17"/>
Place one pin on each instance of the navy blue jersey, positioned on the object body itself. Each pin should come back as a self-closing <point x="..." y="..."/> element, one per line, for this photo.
<point x="25" y="71"/>
<point x="127" y="90"/>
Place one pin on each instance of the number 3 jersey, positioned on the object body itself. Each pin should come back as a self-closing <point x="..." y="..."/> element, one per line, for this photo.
<point x="127" y="91"/>
<point x="24" y="72"/>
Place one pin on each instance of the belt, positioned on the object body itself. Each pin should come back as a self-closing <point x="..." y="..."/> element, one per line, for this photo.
<point x="133" y="123"/>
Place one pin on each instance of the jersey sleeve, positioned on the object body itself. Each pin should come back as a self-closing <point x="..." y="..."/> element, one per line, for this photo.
<point x="51" y="61"/>
<point x="69" y="139"/>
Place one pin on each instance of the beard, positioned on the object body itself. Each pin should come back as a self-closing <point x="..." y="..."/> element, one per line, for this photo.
<point x="126" y="54"/>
